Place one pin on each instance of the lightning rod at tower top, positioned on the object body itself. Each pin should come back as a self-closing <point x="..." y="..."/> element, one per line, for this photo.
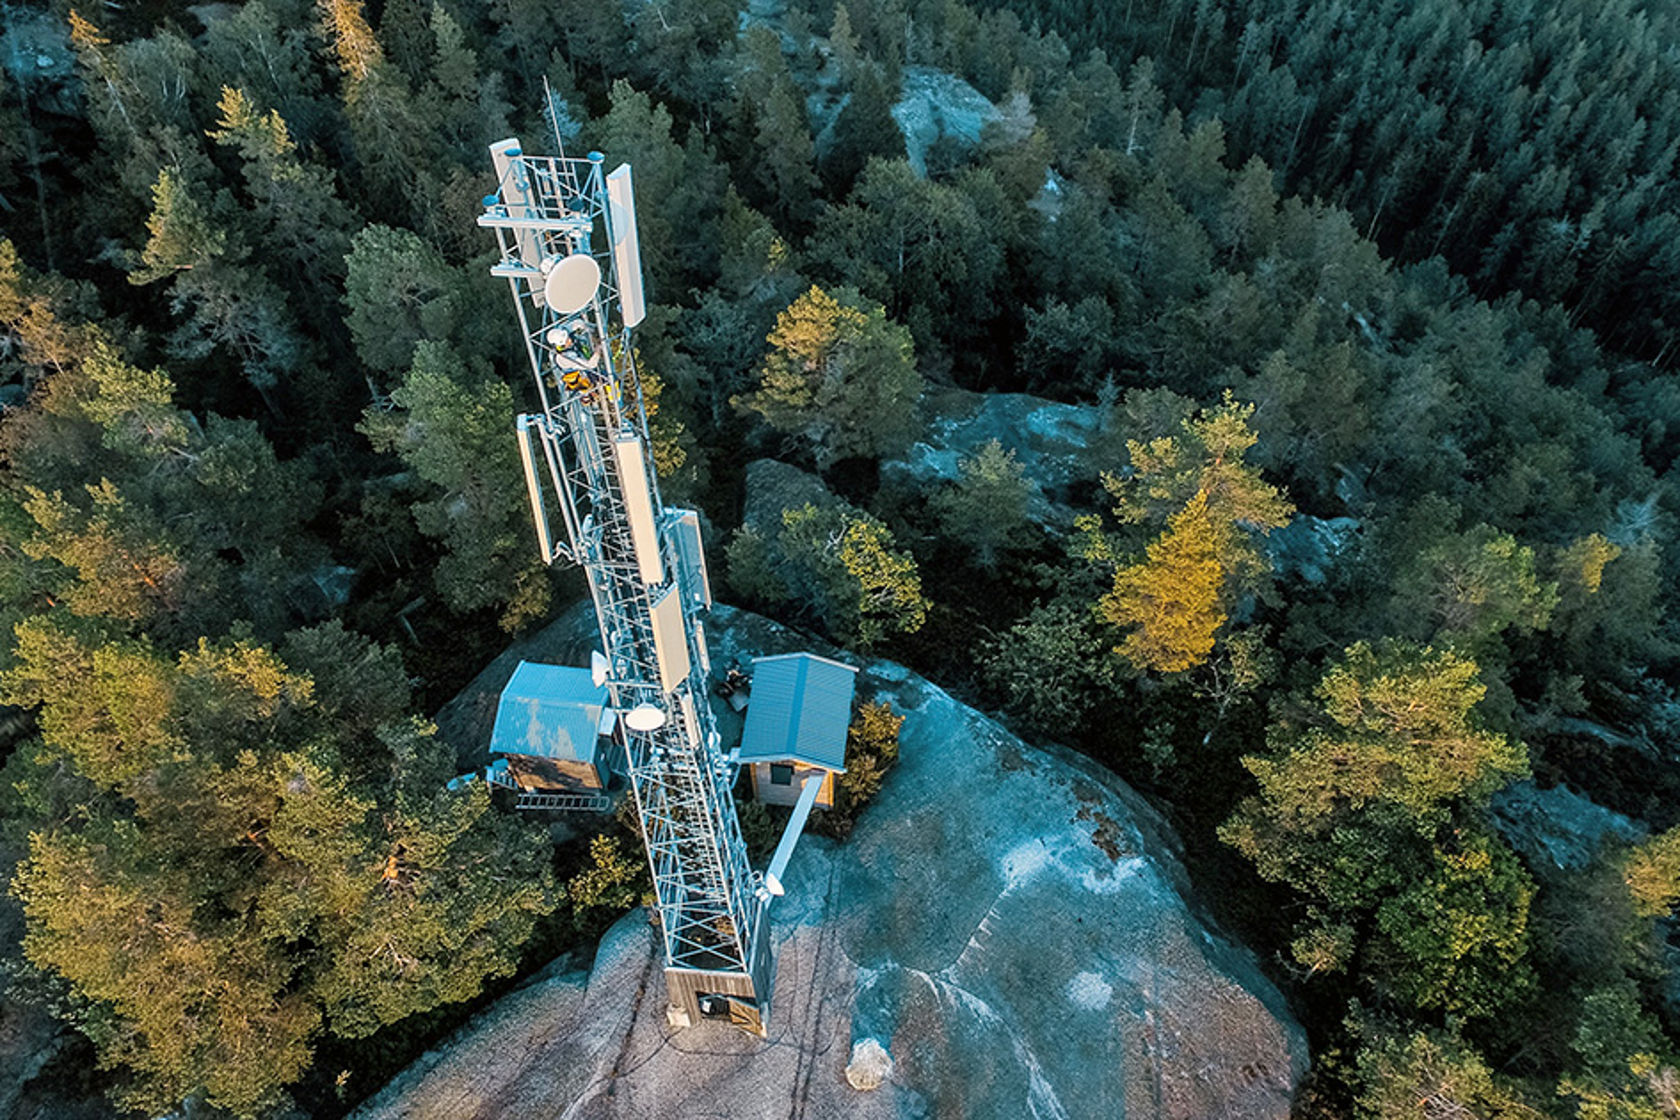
<point x="566" y="230"/>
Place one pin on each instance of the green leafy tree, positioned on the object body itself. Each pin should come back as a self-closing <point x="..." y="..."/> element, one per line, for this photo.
<point x="394" y="139"/>
<point x="840" y="378"/>
<point x="931" y="252"/>
<point x="1621" y="1065"/>
<point x="1385" y="779"/>
<point x="180" y="235"/>
<point x="615" y="880"/>
<point x="1652" y="872"/>
<point x="124" y="565"/>
<point x="1052" y="666"/>
<point x="139" y="106"/>
<point x="680" y="189"/>
<point x="1241" y="668"/>
<point x="771" y="107"/>
<point x="1206" y="455"/>
<point x="845" y="566"/>
<point x="871" y="750"/>
<point x="1425" y="1075"/>
<point x="36" y="332"/>
<point x="1468" y="588"/>
<point x="1454" y="940"/>
<point x="838" y="563"/>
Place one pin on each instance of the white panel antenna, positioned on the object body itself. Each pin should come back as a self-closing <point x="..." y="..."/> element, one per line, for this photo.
<point x="626" y="247"/>
<point x="638" y="504"/>
<point x="516" y="197"/>
<point x="670" y="639"/>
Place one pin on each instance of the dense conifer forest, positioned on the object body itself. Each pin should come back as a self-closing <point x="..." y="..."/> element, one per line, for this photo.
<point x="1407" y="273"/>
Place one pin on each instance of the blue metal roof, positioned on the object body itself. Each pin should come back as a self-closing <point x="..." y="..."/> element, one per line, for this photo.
<point x="549" y="711"/>
<point x="801" y="706"/>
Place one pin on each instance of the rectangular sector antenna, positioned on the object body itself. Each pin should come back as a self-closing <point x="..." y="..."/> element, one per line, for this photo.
<point x="627" y="250"/>
<point x="691" y="557"/>
<point x="638" y="503"/>
<point x="700" y="646"/>
<point x="670" y="642"/>
<point x="516" y="195"/>
<point x="527" y="456"/>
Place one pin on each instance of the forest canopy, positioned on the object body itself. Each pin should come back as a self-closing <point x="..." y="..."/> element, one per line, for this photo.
<point x="1394" y="288"/>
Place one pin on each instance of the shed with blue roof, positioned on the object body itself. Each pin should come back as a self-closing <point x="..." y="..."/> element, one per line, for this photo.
<point x="796" y="725"/>
<point x="550" y="724"/>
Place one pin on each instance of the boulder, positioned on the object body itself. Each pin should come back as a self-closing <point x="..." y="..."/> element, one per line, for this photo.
<point x="1307" y="547"/>
<point x="870" y="1066"/>
<point x="1007" y="933"/>
<point x="1557" y="829"/>
<point x="1060" y="446"/>
<point x="934" y="105"/>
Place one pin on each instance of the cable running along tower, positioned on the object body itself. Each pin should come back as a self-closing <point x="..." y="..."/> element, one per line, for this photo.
<point x="567" y="234"/>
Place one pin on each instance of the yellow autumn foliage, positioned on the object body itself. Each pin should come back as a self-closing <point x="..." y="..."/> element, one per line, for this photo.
<point x="1172" y="598"/>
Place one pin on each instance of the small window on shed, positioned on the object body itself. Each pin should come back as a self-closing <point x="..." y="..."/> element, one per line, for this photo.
<point x="781" y="774"/>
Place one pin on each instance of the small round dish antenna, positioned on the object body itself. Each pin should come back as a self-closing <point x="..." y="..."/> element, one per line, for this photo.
<point x="571" y="284"/>
<point x="645" y="717"/>
<point x="599" y="667"/>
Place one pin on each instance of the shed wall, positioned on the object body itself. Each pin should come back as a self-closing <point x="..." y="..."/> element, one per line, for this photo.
<point x="771" y="794"/>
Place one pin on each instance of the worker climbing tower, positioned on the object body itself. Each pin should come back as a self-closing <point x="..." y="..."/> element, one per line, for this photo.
<point x="567" y="234"/>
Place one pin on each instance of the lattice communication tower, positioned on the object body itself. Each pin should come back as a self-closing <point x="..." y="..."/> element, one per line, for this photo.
<point x="567" y="234"/>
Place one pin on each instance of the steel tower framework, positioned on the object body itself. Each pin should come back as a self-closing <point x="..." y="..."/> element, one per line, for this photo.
<point x="567" y="240"/>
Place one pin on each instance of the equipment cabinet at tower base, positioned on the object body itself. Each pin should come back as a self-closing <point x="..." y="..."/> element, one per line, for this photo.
<point x="739" y="999"/>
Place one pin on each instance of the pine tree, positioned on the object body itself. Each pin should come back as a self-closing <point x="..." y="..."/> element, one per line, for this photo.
<point x="450" y="427"/>
<point x="1212" y="501"/>
<point x="986" y="509"/>
<point x="840" y="378"/>
<point x="302" y="217"/>
<point x="865" y="129"/>
<point x="400" y="291"/>
<point x="180" y="234"/>
<point x="232" y="306"/>
<point x="226" y="891"/>
<point x="1174" y="597"/>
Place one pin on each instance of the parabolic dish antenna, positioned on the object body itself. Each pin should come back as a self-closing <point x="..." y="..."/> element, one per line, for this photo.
<point x="645" y="717"/>
<point x="571" y="284"/>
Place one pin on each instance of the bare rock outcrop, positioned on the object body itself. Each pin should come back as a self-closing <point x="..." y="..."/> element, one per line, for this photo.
<point x="1059" y="446"/>
<point x="1005" y="934"/>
